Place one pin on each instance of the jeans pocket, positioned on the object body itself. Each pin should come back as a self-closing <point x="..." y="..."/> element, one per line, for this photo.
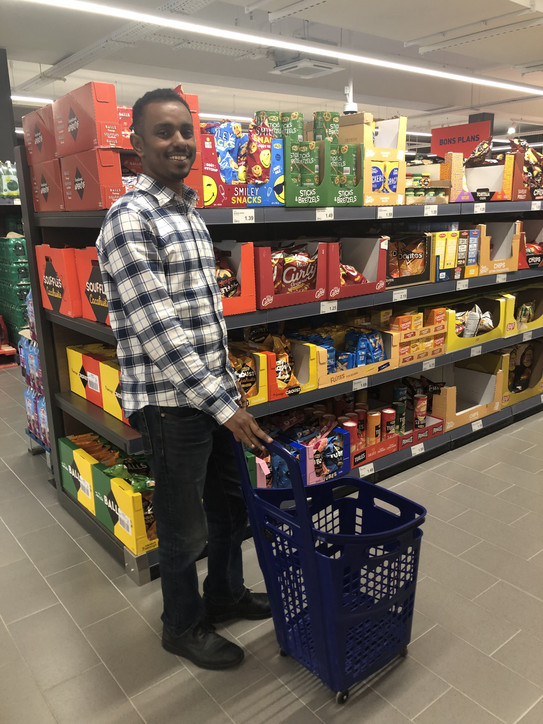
<point x="138" y="422"/>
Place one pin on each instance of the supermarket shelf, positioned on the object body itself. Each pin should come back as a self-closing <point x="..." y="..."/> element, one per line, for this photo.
<point x="117" y="432"/>
<point x="96" y="330"/>
<point x="10" y="202"/>
<point x="70" y="219"/>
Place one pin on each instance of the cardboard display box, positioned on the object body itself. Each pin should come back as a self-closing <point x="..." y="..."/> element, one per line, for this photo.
<point x="242" y="262"/>
<point x="385" y="140"/>
<point x="266" y="298"/>
<point x="39" y="135"/>
<point x="110" y="383"/>
<point x="305" y="370"/>
<point x="93" y="298"/>
<point x="59" y="284"/>
<point x="84" y="369"/>
<point x="47" y="186"/>
<point x="434" y="426"/>
<point x="521" y="190"/>
<point x="86" y="118"/>
<point x="261" y="373"/>
<point x="92" y="180"/>
<point x="361" y="456"/>
<point x="425" y="254"/>
<point x="306" y="457"/>
<point x="75" y="473"/>
<point x="534" y="293"/>
<point x="532" y="233"/>
<point x="495" y="306"/>
<point x="480" y="183"/>
<point x="499" y="251"/>
<point x="367" y="256"/>
<point x="469" y="394"/>
<point x="523" y="360"/>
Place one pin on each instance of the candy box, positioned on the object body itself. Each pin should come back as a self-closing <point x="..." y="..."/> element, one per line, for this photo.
<point x="58" y="279"/>
<point x="39" y="135"/>
<point x="47" y="187"/>
<point x="92" y="180"/>
<point x="93" y="298"/>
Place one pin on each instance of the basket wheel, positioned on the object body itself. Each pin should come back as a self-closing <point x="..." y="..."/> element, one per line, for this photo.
<point x="342" y="696"/>
<point x="282" y="653"/>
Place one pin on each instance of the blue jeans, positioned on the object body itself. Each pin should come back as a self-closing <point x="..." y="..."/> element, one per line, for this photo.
<point x="192" y="460"/>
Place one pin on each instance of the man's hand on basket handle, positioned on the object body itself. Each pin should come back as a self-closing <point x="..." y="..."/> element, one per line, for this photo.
<point x="245" y="429"/>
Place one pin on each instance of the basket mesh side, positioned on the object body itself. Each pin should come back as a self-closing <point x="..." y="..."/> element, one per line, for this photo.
<point x="327" y="520"/>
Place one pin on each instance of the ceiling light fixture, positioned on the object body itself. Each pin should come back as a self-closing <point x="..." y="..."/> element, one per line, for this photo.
<point x="277" y="42"/>
<point x="511" y="130"/>
<point x="30" y="100"/>
<point x="242" y="119"/>
<point x="19" y="131"/>
<point x="294" y="8"/>
<point x="417" y="133"/>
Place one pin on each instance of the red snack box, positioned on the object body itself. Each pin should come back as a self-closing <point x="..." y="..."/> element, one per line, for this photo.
<point x="243" y="264"/>
<point x="367" y="256"/>
<point x="47" y="189"/>
<point x="59" y="283"/>
<point x="93" y="298"/>
<point x="86" y="118"/>
<point x="125" y="121"/>
<point x="266" y="297"/>
<point x="92" y="180"/>
<point x="39" y="135"/>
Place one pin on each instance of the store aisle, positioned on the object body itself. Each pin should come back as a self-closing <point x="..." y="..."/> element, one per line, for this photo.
<point x="79" y="641"/>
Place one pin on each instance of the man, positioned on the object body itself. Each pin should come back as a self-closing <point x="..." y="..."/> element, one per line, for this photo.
<point x="178" y="388"/>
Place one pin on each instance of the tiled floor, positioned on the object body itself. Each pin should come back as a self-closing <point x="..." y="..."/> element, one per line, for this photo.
<point x="79" y="642"/>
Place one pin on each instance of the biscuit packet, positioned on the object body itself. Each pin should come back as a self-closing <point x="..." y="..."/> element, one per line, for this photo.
<point x="259" y="154"/>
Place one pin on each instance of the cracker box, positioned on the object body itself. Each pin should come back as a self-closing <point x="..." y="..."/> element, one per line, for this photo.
<point x="93" y="298"/>
<point x="47" y="187"/>
<point x="271" y="193"/>
<point x="92" y="180"/>
<point x="86" y="118"/>
<point x="39" y="135"/>
<point x="59" y="284"/>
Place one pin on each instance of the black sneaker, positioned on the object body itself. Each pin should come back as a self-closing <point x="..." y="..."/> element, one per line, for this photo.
<point x="204" y="647"/>
<point x="251" y="606"/>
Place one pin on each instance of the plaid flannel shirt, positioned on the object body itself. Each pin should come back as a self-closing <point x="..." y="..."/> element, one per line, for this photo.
<point x="158" y="270"/>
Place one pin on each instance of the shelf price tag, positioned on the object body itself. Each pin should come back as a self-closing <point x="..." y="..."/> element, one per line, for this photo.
<point x="17" y="202"/>
<point x="501" y="278"/>
<point x="365" y="470"/>
<point x="428" y="365"/>
<point x="399" y="295"/>
<point x="417" y="449"/>
<point x="477" y="425"/>
<point x="476" y="351"/>
<point x="243" y="216"/>
<point x="430" y="210"/>
<point x="385" y="212"/>
<point x="527" y="336"/>
<point x="479" y="208"/>
<point x="327" y="307"/>
<point x="361" y="384"/>
<point x="462" y="284"/>
<point x="325" y="214"/>
<point x="536" y="206"/>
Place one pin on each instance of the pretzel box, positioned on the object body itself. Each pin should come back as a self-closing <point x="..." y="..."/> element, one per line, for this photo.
<point x="92" y="180"/>
<point x="47" y="187"/>
<point x="59" y="284"/>
<point x="86" y="118"/>
<point x="39" y="135"/>
<point x="93" y="298"/>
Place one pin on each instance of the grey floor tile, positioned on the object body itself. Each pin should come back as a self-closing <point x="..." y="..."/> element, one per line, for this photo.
<point x="109" y="565"/>
<point x="67" y="521"/>
<point x="22" y="463"/>
<point x="453" y="572"/>
<point x="523" y="654"/>
<point x="9" y="442"/>
<point x="462" y="617"/>
<point x="434" y="480"/>
<point x="25" y="514"/>
<point x="179" y="693"/>
<point x="9" y="655"/>
<point x="490" y="505"/>
<point x="93" y="697"/>
<point x="514" y="445"/>
<point x="9" y="545"/>
<point x="86" y="593"/>
<point x="487" y="682"/>
<point x="448" y="537"/>
<point x="518" y="542"/>
<point x="147" y="599"/>
<point x="11" y="486"/>
<point x="23" y="591"/>
<point x="51" y="549"/>
<point x="453" y="708"/>
<point x="21" y="701"/>
<point x="436" y="504"/>
<point x="53" y="646"/>
<point x="532" y="501"/>
<point x="421" y="624"/>
<point x="131" y="651"/>
<point x="530" y="480"/>
<point x="363" y="705"/>
<point x="519" y="608"/>
<point x="43" y="491"/>
<point x="478" y="480"/>
<point x="534" y="715"/>
<point x="522" y="463"/>
<point x="531" y="523"/>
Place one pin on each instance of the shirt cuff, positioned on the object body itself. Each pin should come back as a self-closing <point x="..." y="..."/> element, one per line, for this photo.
<point x="222" y="408"/>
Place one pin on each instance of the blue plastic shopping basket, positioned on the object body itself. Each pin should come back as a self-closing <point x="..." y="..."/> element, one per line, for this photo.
<point x="340" y="571"/>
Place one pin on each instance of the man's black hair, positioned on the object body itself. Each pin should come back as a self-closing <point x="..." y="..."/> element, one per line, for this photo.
<point x="158" y="95"/>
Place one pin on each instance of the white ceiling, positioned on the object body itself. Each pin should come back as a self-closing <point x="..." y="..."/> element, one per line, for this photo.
<point x="490" y="38"/>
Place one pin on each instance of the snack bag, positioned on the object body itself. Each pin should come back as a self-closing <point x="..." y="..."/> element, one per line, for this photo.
<point x="293" y="271"/>
<point x="411" y="257"/>
<point x="259" y="154"/>
<point x="393" y="260"/>
<point x="478" y="156"/>
<point x="243" y="364"/>
<point x="226" y="146"/>
<point x="349" y="275"/>
<point x="226" y="278"/>
<point x="284" y="369"/>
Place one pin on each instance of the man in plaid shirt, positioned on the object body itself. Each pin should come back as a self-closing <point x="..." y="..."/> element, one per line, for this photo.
<point x="178" y="388"/>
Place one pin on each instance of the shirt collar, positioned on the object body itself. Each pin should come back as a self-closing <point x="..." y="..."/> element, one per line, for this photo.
<point x="164" y="195"/>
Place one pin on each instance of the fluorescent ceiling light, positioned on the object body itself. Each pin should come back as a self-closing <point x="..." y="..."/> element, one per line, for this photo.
<point x="243" y="119"/>
<point x="271" y="41"/>
<point x="19" y="131"/>
<point x="30" y="100"/>
<point x="416" y="133"/>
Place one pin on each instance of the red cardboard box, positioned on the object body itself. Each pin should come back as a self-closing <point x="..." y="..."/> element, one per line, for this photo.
<point x="434" y="426"/>
<point x="47" y="188"/>
<point x="242" y="262"/>
<point x="92" y="180"/>
<point x="372" y="452"/>
<point x="86" y="118"/>
<point x="59" y="283"/>
<point x="39" y="135"/>
<point x="91" y="288"/>
<point x="125" y="121"/>
<point x="266" y="298"/>
<point x="367" y="256"/>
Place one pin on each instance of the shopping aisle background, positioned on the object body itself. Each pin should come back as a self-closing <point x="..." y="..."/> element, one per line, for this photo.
<point x="79" y="642"/>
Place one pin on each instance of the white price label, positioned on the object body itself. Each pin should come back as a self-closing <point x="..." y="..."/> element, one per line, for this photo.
<point x="93" y="382"/>
<point x="325" y="214"/>
<point x="430" y="210"/>
<point x="479" y="208"/>
<point x="477" y="425"/>
<point x="527" y="336"/>
<point x="536" y="206"/>
<point x="417" y="449"/>
<point x="243" y="216"/>
<point x="366" y="470"/>
<point x="17" y="202"/>
<point x="361" y="384"/>
<point x="385" y="212"/>
<point x="501" y="278"/>
<point x="85" y="488"/>
<point x="428" y="365"/>
<point x="462" y="284"/>
<point x="399" y="295"/>
<point x="476" y="351"/>
<point x="328" y="307"/>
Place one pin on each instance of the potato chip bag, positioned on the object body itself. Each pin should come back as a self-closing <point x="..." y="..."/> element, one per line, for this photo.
<point x="284" y="366"/>
<point x="226" y="277"/>
<point x="243" y="364"/>
<point x="259" y="150"/>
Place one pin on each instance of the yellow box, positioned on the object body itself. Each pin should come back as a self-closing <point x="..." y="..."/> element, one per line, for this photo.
<point x="535" y="292"/>
<point x="110" y="380"/>
<point x="451" y="249"/>
<point x="76" y="473"/>
<point x="499" y="248"/>
<point x="497" y="309"/>
<point x="391" y="341"/>
<point x="535" y="386"/>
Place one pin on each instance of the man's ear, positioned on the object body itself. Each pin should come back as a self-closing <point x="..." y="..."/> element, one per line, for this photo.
<point x="137" y="143"/>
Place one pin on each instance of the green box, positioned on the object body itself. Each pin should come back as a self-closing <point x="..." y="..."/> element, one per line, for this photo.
<point x="76" y="473"/>
<point x="14" y="272"/>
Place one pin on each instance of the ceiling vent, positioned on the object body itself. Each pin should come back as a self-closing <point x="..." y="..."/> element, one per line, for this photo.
<point x="306" y="68"/>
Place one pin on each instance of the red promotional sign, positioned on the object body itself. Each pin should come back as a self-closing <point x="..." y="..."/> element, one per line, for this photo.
<point x="459" y="139"/>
